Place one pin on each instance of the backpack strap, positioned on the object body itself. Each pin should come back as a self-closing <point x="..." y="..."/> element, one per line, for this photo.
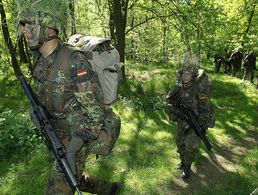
<point x="63" y="57"/>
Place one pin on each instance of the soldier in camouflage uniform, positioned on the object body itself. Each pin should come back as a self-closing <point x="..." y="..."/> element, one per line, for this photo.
<point x="217" y="62"/>
<point x="249" y="64"/>
<point x="194" y="88"/>
<point x="235" y="60"/>
<point x="226" y="62"/>
<point x="69" y="89"/>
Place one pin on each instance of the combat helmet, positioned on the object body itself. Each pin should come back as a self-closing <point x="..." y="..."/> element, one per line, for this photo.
<point x="48" y="14"/>
<point x="190" y="63"/>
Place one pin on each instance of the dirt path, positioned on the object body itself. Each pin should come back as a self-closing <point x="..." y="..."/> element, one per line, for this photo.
<point x="209" y="173"/>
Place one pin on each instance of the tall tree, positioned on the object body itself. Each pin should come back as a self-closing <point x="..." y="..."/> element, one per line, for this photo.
<point x="71" y="10"/>
<point x="117" y="24"/>
<point x="8" y="41"/>
<point x="118" y="18"/>
<point x="249" y="22"/>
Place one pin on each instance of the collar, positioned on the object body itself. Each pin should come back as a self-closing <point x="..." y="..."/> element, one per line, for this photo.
<point x="52" y="57"/>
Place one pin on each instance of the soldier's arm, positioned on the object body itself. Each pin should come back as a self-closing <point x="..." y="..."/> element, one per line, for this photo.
<point x="87" y="96"/>
<point x="173" y="111"/>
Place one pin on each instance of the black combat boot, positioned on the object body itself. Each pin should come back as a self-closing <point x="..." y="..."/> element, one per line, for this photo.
<point x="116" y="187"/>
<point x="186" y="171"/>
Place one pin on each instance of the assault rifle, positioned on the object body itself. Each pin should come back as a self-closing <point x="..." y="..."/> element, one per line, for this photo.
<point x="48" y="132"/>
<point x="191" y="118"/>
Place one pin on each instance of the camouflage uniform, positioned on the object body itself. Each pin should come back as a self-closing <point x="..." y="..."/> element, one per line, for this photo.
<point x="227" y="64"/>
<point x="236" y="59"/>
<point x="196" y="97"/>
<point x="217" y="62"/>
<point x="72" y="96"/>
<point x="249" y="64"/>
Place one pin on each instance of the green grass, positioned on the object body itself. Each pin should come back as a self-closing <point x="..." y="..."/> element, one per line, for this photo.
<point x="144" y="157"/>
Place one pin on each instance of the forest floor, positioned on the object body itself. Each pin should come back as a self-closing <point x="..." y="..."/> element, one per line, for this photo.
<point x="212" y="172"/>
<point x="144" y="158"/>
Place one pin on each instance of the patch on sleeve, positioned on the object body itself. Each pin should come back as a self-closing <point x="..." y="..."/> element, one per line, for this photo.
<point x="81" y="72"/>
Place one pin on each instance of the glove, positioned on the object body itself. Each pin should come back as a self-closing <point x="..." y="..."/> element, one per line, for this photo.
<point x="179" y="115"/>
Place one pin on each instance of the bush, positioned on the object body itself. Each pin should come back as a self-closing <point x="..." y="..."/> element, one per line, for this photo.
<point x="17" y="134"/>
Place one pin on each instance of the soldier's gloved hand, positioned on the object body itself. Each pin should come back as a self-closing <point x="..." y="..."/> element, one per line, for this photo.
<point x="72" y="149"/>
<point x="180" y="115"/>
<point x="203" y="123"/>
<point x="204" y="130"/>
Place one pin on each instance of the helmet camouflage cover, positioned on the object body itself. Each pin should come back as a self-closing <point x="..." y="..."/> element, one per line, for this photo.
<point x="190" y="63"/>
<point x="50" y="13"/>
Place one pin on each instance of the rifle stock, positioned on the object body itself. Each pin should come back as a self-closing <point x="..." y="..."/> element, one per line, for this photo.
<point x="48" y="132"/>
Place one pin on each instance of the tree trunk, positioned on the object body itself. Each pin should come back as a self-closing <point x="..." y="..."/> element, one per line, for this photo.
<point x="8" y="42"/>
<point x="249" y="22"/>
<point x="118" y="18"/>
<point x="165" y="45"/>
<point x="71" y="9"/>
<point x="198" y="50"/>
<point x="112" y="22"/>
<point x="133" y="46"/>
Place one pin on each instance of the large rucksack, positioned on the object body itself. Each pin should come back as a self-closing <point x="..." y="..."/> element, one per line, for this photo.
<point x="105" y="60"/>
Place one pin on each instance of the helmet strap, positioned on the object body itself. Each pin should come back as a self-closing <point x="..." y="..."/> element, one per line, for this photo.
<point x="35" y="47"/>
<point x="52" y="37"/>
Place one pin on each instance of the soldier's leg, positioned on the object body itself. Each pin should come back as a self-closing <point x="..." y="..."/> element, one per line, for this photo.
<point x="234" y="71"/>
<point x="229" y="68"/>
<point x="216" y="67"/>
<point x="252" y="75"/>
<point x="238" y="69"/>
<point x="245" y="74"/>
<point x="92" y="184"/>
<point x="57" y="183"/>
<point x="225" y="67"/>
<point x="180" y="142"/>
<point x="219" y="65"/>
<point x="192" y="143"/>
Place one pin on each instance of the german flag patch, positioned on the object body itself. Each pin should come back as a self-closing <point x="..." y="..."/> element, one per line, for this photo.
<point x="81" y="72"/>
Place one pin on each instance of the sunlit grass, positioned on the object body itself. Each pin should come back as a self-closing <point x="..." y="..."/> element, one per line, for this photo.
<point x="144" y="157"/>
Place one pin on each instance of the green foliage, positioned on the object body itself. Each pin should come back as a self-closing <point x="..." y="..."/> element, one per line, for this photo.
<point x="144" y="157"/>
<point x="145" y="154"/>
<point x="146" y="86"/>
<point x="25" y="175"/>
<point x="92" y="17"/>
<point x="17" y="134"/>
<point x="9" y="93"/>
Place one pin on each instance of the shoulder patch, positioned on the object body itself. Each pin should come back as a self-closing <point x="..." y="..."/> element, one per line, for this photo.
<point x="81" y="72"/>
